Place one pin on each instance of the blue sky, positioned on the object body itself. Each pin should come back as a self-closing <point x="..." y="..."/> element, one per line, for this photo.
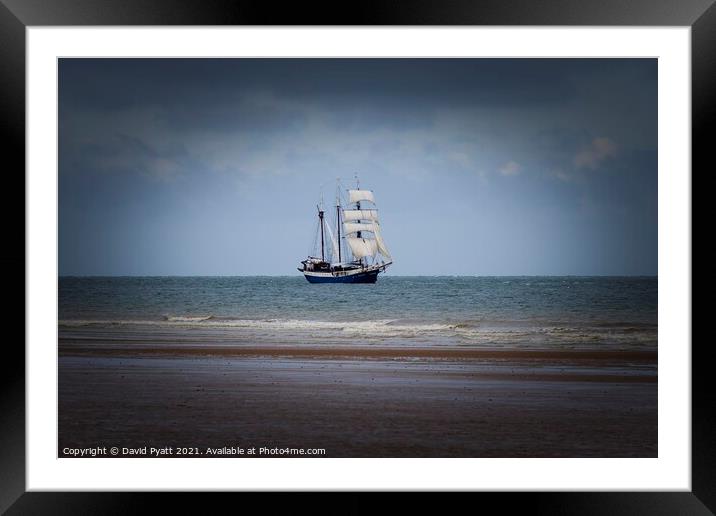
<point x="479" y="166"/>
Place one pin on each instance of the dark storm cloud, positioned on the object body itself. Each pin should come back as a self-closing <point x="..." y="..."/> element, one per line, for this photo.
<point x="103" y="84"/>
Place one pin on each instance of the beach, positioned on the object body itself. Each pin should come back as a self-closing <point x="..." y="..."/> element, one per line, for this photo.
<point x="362" y="402"/>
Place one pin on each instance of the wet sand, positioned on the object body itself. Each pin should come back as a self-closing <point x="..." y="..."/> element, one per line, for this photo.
<point x="360" y="401"/>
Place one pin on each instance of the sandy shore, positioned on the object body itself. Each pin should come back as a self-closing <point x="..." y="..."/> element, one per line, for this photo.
<point x="360" y="401"/>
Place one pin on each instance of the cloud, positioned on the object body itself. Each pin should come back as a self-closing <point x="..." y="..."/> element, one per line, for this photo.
<point x="511" y="168"/>
<point x="592" y="156"/>
<point x="163" y="169"/>
<point x="561" y="175"/>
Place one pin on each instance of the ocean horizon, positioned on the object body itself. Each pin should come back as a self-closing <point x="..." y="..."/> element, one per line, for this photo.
<point x="383" y="276"/>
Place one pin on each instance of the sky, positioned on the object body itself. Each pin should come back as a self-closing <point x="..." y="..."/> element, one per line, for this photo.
<point x="479" y="166"/>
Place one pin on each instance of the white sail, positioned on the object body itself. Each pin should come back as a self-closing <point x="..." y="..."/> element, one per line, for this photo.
<point x="349" y="215"/>
<point x="354" y="227"/>
<point x="361" y="195"/>
<point x="382" y="249"/>
<point x="362" y="247"/>
<point x="334" y="242"/>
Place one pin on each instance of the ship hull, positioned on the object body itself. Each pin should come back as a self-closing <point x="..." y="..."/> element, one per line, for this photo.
<point x="357" y="277"/>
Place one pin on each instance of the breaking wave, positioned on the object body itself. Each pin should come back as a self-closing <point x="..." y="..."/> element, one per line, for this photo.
<point x="465" y="332"/>
<point x="187" y="318"/>
<point x="381" y="325"/>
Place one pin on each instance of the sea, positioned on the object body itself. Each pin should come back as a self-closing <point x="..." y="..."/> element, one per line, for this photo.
<point x="481" y="312"/>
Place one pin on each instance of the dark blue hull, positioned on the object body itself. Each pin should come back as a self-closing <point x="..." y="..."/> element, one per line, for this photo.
<point x="361" y="277"/>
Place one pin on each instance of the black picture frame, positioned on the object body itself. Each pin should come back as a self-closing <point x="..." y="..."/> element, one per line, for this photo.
<point x="17" y="15"/>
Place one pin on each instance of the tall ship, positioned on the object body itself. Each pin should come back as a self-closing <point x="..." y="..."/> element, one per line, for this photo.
<point x="352" y="249"/>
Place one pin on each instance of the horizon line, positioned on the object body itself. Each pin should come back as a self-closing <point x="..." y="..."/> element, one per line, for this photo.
<point x="392" y="275"/>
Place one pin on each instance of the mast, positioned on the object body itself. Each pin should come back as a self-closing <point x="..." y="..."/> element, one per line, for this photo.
<point x="358" y="234"/>
<point x="320" y="217"/>
<point x="338" y="219"/>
